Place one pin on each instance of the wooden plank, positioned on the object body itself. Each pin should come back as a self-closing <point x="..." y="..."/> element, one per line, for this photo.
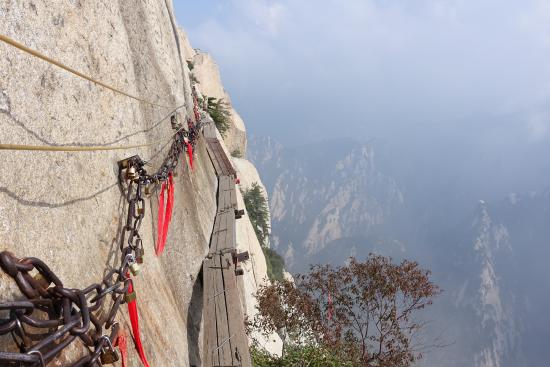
<point x="224" y="192"/>
<point x="233" y="196"/>
<point x="217" y="154"/>
<point x="219" y="240"/>
<point x="215" y="234"/>
<point x="209" y="320"/>
<point x="239" y="345"/>
<point x="230" y="171"/>
<point x="224" y="184"/>
<point x="216" y="151"/>
<point x="213" y="156"/>
<point x="230" y="232"/>
<point x="225" y="340"/>
<point x="209" y="291"/>
<point x="223" y="348"/>
<point x="209" y="131"/>
<point x="224" y="337"/>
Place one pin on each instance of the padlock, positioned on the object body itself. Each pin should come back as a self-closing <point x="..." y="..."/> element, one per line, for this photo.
<point x="41" y="279"/>
<point x="131" y="173"/>
<point x="110" y="355"/>
<point x="129" y="297"/>
<point x="134" y="268"/>
<point x="173" y="122"/>
<point x="148" y="190"/>
<point x="123" y="164"/>
<point x="139" y="255"/>
<point x="239" y="271"/>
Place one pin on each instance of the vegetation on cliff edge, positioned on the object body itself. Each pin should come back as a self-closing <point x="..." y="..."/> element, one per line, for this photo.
<point x="258" y="212"/>
<point x="360" y="314"/>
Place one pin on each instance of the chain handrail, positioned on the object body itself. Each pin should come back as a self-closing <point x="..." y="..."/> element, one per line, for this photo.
<point x="64" y="314"/>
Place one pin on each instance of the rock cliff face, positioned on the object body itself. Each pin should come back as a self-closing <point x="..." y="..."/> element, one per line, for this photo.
<point x="66" y="208"/>
<point x="207" y="75"/>
<point x="483" y="300"/>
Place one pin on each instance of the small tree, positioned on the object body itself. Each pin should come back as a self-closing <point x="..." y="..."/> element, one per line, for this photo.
<point x="362" y="312"/>
<point x="236" y="153"/>
<point x="220" y="113"/>
<point x="275" y="264"/>
<point x="258" y="212"/>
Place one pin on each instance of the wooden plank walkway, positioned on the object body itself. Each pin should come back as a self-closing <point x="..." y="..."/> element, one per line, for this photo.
<point x="221" y="161"/>
<point x="225" y="340"/>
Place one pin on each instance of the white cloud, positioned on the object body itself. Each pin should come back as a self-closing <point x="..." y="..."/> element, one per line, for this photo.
<point x="538" y="126"/>
<point x="398" y="61"/>
<point x="536" y="21"/>
<point x="266" y="15"/>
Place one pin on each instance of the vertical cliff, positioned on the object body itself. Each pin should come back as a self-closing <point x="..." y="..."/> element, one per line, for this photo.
<point x="66" y="207"/>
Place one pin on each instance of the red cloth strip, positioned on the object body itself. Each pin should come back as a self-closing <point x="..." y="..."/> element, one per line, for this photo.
<point x="169" y="207"/>
<point x="160" y="218"/>
<point x="165" y="217"/>
<point x="190" y="153"/>
<point x="122" y="345"/>
<point x="134" y="320"/>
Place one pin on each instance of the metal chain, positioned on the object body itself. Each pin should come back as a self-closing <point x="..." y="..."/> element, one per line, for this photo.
<point x="60" y="314"/>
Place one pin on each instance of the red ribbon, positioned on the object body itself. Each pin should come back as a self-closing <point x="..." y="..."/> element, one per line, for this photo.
<point x="160" y="217"/>
<point x="190" y="153"/>
<point x="122" y="345"/>
<point x="164" y="217"/>
<point x="134" y="320"/>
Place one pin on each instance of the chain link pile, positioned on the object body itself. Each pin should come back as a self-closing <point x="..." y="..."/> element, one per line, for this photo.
<point x="53" y="316"/>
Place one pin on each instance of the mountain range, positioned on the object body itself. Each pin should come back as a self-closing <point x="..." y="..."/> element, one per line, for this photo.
<point x="333" y="200"/>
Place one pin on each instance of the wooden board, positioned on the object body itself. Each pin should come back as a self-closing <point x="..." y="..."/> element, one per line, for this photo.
<point x="239" y="345"/>
<point x="209" y="314"/>
<point x="225" y="340"/>
<point x="219" y="159"/>
<point x="209" y="131"/>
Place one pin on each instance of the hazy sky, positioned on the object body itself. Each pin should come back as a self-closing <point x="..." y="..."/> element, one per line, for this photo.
<point x="474" y="72"/>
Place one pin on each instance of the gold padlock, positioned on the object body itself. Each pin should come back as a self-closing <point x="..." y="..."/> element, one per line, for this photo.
<point x="134" y="268"/>
<point x="147" y="190"/>
<point x="129" y="297"/>
<point x="139" y="255"/>
<point x="123" y="163"/>
<point x="109" y="356"/>
<point x="131" y="173"/>
<point x="42" y="281"/>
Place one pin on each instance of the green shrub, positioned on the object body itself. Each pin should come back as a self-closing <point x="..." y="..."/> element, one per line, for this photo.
<point x="236" y="153"/>
<point x="294" y="356"/>
<point x="275" y="264"/>
<point x="220" y="113"/>
<point x="258" y="212"/>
